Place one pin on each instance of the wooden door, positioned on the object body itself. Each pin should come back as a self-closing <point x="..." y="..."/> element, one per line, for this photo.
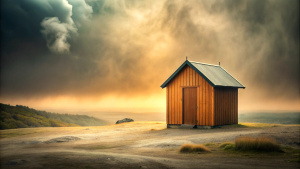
<point x="190" y="105"/>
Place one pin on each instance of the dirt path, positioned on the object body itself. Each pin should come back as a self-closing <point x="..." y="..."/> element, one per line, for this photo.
<point x="138" y="145"/>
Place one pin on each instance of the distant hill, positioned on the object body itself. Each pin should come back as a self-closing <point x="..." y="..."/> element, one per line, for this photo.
<point x="22" y="117"/>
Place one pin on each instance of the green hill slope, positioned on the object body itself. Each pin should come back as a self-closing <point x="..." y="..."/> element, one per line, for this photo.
<point x="21" y="117"/>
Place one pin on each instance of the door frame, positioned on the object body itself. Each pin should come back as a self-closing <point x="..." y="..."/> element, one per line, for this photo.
<point x="182" y="98"/>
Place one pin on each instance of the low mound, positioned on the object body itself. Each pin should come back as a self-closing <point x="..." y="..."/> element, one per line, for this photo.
<point x="62" y="139"/>
<point x="196" y="148"/>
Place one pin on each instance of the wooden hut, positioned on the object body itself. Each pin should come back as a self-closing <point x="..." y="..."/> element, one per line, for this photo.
<point x="201" y="94"/>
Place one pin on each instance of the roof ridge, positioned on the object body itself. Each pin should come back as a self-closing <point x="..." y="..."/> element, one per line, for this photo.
<point x="204" y="63"/>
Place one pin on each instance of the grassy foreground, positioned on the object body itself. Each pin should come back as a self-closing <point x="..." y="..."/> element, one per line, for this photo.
<point x="143" y="145"/>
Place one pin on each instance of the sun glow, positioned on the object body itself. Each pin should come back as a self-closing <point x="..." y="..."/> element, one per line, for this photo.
<point x="155" y="103"/>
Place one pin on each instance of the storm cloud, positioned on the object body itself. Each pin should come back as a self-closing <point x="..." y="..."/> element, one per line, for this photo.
<point x="92" y="49"/>
<point x="56" y="34"/>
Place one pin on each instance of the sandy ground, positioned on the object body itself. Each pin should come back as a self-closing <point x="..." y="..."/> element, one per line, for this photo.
<point x="140" y="145"/>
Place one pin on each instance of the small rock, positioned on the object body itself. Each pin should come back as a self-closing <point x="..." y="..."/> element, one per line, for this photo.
<point x="11" y="163"/>
<point x="124" y="120"/>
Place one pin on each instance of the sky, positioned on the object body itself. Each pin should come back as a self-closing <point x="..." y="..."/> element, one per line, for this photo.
<point x="111" y="55"/>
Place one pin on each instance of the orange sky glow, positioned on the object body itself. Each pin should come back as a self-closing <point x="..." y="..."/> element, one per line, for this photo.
<point x="114" y="55"/>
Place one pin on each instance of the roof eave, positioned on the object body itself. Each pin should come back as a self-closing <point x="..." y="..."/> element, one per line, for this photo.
<point x="234" y="78"/>
<point x="173" y="75"/>
<point x="242" y="87"/>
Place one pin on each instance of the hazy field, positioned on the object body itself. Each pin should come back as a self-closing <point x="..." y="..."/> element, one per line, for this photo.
<point x="270" y="117"/>
<point x="253" y="117"/>
<point x="142" y="145"/>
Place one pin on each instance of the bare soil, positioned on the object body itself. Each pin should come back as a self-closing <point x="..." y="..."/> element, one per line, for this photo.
<point x="142" y="145"/>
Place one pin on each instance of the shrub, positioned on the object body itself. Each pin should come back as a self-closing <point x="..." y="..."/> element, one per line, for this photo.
<point x="261" y="144"/>
<point x="189" y="148"/>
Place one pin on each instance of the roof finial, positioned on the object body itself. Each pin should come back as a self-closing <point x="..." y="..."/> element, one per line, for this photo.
<point x="219" y="63"/>
<point x="186" y="58"/>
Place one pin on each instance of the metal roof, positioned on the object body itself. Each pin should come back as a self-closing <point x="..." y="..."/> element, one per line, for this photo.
<point x="213" y="74"/>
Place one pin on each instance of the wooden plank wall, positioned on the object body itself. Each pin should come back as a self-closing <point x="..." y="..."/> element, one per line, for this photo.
<point x="187" y="77"/>
<point x="226" y="106"/>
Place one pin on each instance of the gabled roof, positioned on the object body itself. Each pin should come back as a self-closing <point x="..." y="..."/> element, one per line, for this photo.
<point x="215" y="75"/>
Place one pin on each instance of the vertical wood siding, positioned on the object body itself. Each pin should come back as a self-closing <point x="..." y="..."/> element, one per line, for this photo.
<point x="226" y="106"/>
<point x="187" y="77"/>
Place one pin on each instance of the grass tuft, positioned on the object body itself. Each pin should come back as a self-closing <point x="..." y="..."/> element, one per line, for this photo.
<point x="209" y="144"/>
<point x="196" y="148"/>
<point x="227" y="146"/>
<point x="261" y="144"/>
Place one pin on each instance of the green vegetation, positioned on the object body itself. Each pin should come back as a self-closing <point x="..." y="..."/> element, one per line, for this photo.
<point x="235" y="126"/>
<point x="227" y="146"/>
<point x="261" y="147"/>
<point x="209" y="144"/>
<point x="12" y="117"/>
<point x="190" y="148"/>
<point x="261" y="144"/>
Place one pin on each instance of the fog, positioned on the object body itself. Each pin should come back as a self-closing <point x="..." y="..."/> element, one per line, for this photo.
<point x="114" y="55"/>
